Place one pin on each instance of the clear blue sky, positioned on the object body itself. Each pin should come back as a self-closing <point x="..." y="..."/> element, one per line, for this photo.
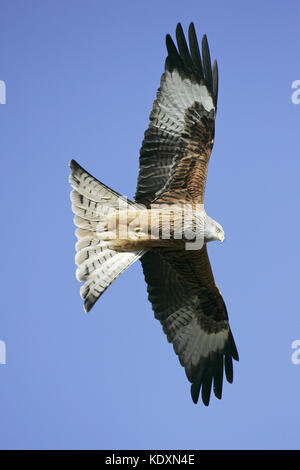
<point x="80" y="79"/>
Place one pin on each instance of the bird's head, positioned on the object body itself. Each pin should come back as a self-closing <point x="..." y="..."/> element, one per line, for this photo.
<point x="213" y="230"/>
<point x="220" y="235"/>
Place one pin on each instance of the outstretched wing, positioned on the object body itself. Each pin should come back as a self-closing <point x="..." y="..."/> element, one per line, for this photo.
<point x="193" y="315"/>
<point x="178" y="142"/>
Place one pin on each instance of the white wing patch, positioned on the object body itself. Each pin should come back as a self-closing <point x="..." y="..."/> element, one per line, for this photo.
<point x="174" y="97"/>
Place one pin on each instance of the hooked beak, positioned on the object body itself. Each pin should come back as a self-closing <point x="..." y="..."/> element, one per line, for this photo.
<point x="221" y="237"/>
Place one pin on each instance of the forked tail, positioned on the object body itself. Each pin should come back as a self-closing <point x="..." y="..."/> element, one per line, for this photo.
<point x="97" y="264"/>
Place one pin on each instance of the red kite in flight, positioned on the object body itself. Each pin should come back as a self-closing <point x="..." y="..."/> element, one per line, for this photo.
<point x="113" y="231"/>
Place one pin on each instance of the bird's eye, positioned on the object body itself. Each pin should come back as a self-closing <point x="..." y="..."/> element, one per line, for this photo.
<point x="218" y="230"/>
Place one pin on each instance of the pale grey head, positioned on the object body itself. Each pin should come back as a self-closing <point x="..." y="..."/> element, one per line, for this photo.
<point x="213" y="230"/>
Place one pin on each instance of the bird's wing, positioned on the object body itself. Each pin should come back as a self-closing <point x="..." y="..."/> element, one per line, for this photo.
<point x="178" y="142"/>
<point x="193" y="315"/>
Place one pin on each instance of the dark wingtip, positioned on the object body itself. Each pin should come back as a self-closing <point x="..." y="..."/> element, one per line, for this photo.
<point x="189" y="61"/>
<point x="191" y="30"/>
<point x="179" y="27"/>
<point x="168" y="38"/>
<point x="73" y="164"/>
<point x="195" y="390"/>
<point x="173" y="59"/>
<point x="195" y="52"/>
<point x="234" y="351"/>
<point x="209" y="375"/>
<point x="206" y="61"/>
<point x="218" y="376"/>
<point x="89" y="304"/>
<point x="206" y="385"/>
<point x="215" y="80"/>
<point x="171" y="48"/>
<point x="228" y="368"/>
<point x="218" y="394"/>
<point x="205" y="398"/>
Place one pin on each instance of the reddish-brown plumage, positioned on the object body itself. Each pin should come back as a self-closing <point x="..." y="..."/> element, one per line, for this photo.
<point x="172" y="174"/>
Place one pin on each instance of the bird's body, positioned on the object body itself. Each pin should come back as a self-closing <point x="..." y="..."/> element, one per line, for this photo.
<point x="181" y="226"/>
<point x="166" y="225"/>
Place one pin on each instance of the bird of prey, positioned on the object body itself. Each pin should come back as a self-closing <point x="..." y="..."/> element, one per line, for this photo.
<point x="113" y="232"/>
